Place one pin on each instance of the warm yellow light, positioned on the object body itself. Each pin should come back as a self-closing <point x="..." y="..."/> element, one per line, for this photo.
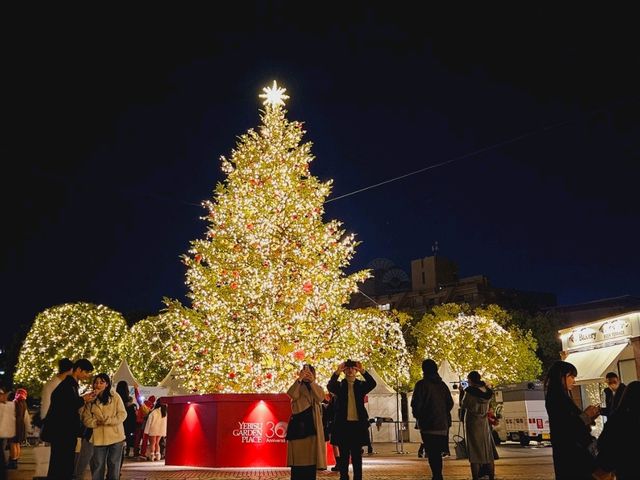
<point x="274" y="95"/>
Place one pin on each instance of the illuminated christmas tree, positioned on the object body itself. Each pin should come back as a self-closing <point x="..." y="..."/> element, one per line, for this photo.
<point x="267" y="282"/>
<point x="72" y="330"/>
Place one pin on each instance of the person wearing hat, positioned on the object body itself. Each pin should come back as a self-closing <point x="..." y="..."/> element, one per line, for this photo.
<point x="23" y="423"/>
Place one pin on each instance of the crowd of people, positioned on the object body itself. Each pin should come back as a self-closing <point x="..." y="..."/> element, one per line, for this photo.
<point x="576" y="453"/>
<point x="94" y="429"/>
<point x="98" y="428"/>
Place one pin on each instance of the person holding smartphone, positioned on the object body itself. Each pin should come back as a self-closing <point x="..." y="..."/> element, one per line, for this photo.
<point x="351" y="422"/>
<point x="62" y="423"/>
<point x="307" y="455"/>
<point x="571" y="440"/>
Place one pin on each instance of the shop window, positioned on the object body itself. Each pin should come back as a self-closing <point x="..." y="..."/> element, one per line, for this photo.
<point x="627" y="369"/>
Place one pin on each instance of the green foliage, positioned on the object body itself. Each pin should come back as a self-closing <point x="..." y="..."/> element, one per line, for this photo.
<point x="73" y="330"/>
<point x="544" y="327"/>
<point x="150" y="347"/>
<point x="477" y="342"/>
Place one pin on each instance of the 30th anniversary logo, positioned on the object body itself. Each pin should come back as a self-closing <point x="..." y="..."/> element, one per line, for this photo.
<point x="261" y="432"/>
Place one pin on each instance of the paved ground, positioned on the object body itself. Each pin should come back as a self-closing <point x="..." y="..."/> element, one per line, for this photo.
<point x="516" y="462"/>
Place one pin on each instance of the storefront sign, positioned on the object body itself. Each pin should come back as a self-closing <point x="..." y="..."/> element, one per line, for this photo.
<point x="609" y="330"/>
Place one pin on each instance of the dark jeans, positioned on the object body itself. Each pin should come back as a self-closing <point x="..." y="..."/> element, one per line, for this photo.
<point x="62" y="462"/>
<point x="434" y="447"/>
<point x="3" y="465"/>
<point x="307" y="472"/>
<point x="350" y="446"/>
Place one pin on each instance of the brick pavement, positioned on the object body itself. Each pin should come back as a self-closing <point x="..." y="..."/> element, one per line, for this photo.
<point x="516" y="463"/>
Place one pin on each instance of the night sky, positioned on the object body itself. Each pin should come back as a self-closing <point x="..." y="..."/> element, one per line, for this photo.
<point x="114" y="126"/>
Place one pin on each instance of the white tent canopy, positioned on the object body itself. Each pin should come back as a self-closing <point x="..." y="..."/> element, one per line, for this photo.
<point x="381" y="385"/>
<point x="382" y="401"/>
<point x="172" y="384"/>
<point x="447" y="374"/>
<point x="124" y="373"/>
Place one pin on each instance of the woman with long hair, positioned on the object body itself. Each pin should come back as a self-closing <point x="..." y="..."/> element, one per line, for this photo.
<point x="23" y="424"/>
<point x="570" y="427"/>
<point x="156" y="428"/>
<point x="105" y="415"/>
<point x="619" y="442"/>
<point x="130" y="406"/>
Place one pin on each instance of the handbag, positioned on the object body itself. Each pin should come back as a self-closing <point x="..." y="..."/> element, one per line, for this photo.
<point x="461" y="447"/>
<point x="301" y="425"/>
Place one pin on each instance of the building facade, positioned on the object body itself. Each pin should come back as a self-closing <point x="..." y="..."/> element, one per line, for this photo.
<point x="610" y="344"/>
<point x="434" y="281"/>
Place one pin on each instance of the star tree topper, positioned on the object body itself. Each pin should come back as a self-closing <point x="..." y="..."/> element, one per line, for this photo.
<point x="274" y="95"/>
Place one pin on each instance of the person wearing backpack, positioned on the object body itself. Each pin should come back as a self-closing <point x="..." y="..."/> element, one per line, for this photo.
<point x="431" y="406"/>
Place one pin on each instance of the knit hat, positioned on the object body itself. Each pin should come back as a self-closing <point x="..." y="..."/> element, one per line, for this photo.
<point x="21" y="394"/>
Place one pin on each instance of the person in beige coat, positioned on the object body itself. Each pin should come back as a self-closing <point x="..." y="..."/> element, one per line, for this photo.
<point x="307" y="455"/>
<point x="105" y="415"/>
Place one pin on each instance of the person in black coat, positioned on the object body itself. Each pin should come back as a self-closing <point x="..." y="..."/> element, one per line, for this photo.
<point x="62" y="423"/>
<point x="619" y="442"/>
<point x="612" y="394"/>
<point x="431" y="406"/>
<point x="570" y="427"/>
<point x="351" y="421"/>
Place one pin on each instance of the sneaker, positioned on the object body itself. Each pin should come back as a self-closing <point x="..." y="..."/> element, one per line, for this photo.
<point x="158" y="457"/>
<point x="335" y="468"/>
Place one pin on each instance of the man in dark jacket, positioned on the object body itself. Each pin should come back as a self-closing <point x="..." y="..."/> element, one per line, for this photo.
<point x="431" y="406"/>
<point x="62" y="424"/>
<point x="351" y="421"/>
<point x="612" y="394"/>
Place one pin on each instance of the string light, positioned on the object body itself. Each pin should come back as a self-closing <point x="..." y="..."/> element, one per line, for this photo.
<point x="475" y="342"/>
<point x="72" y="330"/>
<point x="267" y="283"/>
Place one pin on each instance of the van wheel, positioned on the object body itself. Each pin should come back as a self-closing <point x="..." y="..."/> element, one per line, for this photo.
<point x="524" y="440"/>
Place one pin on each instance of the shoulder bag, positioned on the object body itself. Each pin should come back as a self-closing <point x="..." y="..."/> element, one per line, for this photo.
<point x="301" y="425"/>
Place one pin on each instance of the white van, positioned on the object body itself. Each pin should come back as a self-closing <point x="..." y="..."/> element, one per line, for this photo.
<point x="523" y="416"/>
